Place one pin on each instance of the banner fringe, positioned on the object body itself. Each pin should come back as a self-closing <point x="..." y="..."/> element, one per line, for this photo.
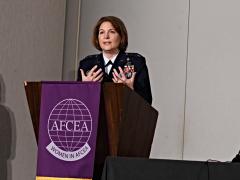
<point x="58" y="178"/>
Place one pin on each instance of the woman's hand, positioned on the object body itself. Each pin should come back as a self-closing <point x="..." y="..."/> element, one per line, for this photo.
<point x="121" y="78"/>
<point x="92" y="75"/>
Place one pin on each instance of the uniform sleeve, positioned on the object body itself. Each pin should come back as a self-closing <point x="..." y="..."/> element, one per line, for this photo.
<point x="85" y="64"/>
<point x="79" y="75"/>
<point x="142" y="82"/>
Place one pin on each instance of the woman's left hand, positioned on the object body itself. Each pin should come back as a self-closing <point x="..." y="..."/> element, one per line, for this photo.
<point x="121" y="78"/>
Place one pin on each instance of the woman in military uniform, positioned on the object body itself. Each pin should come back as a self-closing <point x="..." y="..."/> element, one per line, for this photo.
<point x="114" y="64"/>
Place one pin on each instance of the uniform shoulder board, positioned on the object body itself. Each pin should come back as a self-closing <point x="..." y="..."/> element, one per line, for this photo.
<point x="134" y="55"/>
<point x="91" y="56"/>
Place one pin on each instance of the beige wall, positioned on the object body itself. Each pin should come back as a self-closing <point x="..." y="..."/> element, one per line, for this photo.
<point x="71" y="38"/>
<point x="213" y="98"/>
<point x="31" y="48"/>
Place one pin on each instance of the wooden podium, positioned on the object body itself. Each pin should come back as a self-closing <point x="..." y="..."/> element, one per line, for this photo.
<point x="126" y="122"/>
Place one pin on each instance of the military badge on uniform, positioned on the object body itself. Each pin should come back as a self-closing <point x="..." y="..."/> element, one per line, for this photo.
<point x="128" y="69"/>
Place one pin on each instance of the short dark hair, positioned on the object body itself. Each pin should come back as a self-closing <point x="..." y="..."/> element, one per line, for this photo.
<point x="119" y="27"/>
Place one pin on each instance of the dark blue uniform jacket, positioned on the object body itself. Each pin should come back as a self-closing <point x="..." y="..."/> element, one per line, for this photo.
<point x="141" y="83"/>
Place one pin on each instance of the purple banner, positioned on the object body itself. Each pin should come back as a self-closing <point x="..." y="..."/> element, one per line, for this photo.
<point x="68" y="129"/>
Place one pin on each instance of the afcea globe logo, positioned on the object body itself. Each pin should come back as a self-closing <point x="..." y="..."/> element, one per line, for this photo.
<point x="69" y="128"/>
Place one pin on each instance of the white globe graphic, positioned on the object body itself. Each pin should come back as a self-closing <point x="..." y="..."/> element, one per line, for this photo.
<point x="70" y="125"/>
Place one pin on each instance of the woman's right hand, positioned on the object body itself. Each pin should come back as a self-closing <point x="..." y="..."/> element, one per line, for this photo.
<point x="92" y="75"/>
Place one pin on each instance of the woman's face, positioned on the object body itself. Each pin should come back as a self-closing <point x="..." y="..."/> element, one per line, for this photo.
<point x="108" y="38"/>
